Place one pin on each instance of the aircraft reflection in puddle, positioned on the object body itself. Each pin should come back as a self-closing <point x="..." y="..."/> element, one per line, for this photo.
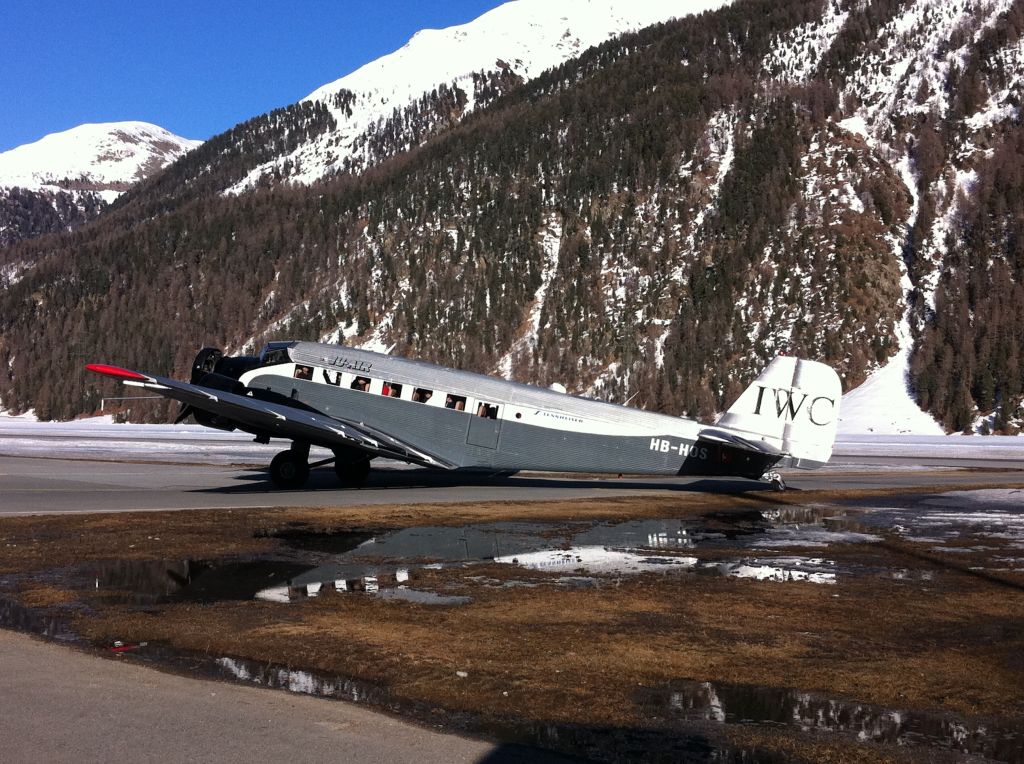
<point x="595" y="549"/>
<point x="385" y="565"/>
<point x="601" y="560"/>
<point x="294" y="592"/>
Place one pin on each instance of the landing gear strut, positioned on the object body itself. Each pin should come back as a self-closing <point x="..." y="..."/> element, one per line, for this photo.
<point x="776" y="480"/>
<point x="290" y="469"/>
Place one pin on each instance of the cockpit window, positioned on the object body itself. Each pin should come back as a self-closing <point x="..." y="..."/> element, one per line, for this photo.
<point x="272" y="356"/>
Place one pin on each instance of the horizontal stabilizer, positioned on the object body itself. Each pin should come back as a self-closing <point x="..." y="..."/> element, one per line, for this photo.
<point x="732" y="439"/>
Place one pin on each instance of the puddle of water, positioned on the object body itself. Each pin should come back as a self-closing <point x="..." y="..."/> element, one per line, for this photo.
<point x="989" y="513"/>
<point x="600" y="560"/>
<point x="148" y="582"/>
<point x="811" y="537"/>
<point x="811" y="712"/>
<point x="316" y="564"/>
<point x="381" y="564"/>
<point x="52" y="625"/>
<point x="656" y="744"/>
<point x="386" y="565"/>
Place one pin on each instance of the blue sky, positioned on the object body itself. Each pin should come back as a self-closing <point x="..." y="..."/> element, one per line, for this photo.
<point x="195" y="68"/>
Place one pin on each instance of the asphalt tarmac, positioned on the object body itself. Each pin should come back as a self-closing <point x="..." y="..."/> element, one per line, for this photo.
<point x="40" y="485"/>
<point x="59" y="704"/>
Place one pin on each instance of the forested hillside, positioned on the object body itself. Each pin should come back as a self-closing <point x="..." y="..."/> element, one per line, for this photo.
<point x="653" y="220"/>
<point x="25" y="214"/>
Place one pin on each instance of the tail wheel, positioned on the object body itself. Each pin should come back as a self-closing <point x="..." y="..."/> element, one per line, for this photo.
<point x="352" y="472"/>
<point x="289" y="471"/>
<point x="776" y="480"/>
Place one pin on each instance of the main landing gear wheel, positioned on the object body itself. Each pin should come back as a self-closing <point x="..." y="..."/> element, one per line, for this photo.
<point x="776" y="480"/>
<point x="352" y="472"/>
<point x="289" y="470"/>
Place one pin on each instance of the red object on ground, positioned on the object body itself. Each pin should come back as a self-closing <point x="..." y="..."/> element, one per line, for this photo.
<point x="124" y="647"/>
<point x="114" y="371"/>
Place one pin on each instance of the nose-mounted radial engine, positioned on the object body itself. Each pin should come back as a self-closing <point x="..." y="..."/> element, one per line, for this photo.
<point x="212" y="369"/>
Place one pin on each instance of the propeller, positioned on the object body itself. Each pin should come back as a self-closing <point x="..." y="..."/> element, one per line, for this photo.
<point x="183" y="413"/>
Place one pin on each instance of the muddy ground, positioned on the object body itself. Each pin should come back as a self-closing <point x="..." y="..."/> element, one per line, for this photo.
<point x="920" y="629"/>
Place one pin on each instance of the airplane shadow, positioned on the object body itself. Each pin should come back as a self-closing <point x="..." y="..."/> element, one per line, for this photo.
<point x="324" y="480"/>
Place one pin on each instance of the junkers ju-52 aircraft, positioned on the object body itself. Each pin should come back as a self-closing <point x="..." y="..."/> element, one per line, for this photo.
<point x="363" y="405"/>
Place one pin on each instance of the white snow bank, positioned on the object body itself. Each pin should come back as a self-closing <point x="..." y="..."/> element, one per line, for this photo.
<point x="883" y="405"/>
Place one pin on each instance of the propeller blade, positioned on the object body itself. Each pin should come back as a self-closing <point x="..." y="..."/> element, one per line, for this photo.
<point x="183" y="413"/>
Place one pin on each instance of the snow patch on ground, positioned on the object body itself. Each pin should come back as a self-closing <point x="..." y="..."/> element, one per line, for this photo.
<point x="856" y="125"/>
<point x="883" y="404"/>
<point x="550" y="244"/>
<point x="101" y="438"/>
<point x="796" y="55"/>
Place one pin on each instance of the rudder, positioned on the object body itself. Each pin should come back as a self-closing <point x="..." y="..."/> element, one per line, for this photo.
<point x="793" y="406"/>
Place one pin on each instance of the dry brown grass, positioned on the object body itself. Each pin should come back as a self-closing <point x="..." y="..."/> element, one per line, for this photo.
<point x="44" y="595"/>
<point x="953" y="643"/>
<point x="572" y="654"/>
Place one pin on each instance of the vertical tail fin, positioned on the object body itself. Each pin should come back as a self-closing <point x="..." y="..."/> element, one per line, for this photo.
<point x="792" y="406"/>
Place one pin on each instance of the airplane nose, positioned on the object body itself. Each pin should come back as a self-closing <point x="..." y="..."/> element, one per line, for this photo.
<point x="205" y="362"/>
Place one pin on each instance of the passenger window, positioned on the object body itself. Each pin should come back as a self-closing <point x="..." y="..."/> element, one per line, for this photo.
<point x="303" y="372"/>
<point x="391" y="389"/>
<point x="487" y="411"/>
<point x="361" y="383"/>
<point x="457" y="402"/>
<point x="337" y="378"/>
<point x="421" y="395"/>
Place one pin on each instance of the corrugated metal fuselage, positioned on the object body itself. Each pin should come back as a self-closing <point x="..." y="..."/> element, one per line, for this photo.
<point x="483" y="423"/>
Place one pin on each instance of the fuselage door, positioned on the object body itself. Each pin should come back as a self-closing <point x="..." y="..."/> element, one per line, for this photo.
<point x="484" y="425"/>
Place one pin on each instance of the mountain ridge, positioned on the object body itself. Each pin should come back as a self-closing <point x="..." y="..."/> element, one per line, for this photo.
<point x="650" y="221"/>
<point x="67" y="178"/>
<point x="106" y="157"/>
<point x="515" y="41"/>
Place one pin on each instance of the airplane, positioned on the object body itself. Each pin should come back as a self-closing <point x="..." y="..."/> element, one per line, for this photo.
<point x="362" y="405"/>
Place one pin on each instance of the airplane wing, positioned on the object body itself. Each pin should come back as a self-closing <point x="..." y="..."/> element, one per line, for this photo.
<point x="277" y="419"/>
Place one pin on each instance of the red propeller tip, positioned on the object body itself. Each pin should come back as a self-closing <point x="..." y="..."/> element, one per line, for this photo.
<point x="114" y="371"/>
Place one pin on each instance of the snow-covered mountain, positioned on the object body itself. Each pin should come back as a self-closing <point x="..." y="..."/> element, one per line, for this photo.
<point x="515" y="42"/>
<point x="105" y="158"/>
<point x="650" y="221"/>
<point x="65" y="179"/>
